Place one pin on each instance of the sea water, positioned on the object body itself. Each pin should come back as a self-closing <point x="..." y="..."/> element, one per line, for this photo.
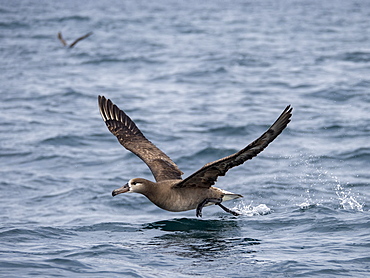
<point x="201" y="79"/>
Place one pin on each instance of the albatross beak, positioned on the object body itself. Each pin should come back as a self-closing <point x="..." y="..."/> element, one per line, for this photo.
<point x="120" y="190"/>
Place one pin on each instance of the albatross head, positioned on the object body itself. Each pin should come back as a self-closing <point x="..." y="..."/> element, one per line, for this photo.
<point x="134" y="185"/>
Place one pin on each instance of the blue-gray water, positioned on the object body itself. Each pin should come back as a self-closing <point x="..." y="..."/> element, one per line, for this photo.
<point x="202" y="79"/>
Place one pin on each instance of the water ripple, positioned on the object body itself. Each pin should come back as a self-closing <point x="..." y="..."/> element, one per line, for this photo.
<point x="199" y="79"/>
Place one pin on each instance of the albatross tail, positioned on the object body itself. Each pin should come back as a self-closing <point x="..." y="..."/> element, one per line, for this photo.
<point x="230" y="196"/>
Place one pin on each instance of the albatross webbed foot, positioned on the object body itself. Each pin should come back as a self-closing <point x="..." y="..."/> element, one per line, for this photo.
<point x="228" y="210"/>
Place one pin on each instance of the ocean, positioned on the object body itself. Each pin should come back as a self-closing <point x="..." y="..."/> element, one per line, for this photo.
<point x="201" y="79"/>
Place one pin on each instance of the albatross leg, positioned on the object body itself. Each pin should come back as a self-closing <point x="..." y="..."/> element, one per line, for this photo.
<point x="228" y="210"/>
<point x="205" y="201"/>
<point x="217" y="202"/>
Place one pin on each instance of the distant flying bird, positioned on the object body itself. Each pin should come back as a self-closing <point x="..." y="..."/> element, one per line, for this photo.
<point x="170" y="192"/>
<point x="60" y="37"/>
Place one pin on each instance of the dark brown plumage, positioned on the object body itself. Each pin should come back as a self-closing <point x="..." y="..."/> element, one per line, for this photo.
<point x="62" y="40"/>
<point x="127" y="133"/>
<point x="208" y="174"/>
<point x="169" y="191"/>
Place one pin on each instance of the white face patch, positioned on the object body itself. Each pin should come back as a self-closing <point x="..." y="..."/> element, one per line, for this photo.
<point x="134" y="186"/>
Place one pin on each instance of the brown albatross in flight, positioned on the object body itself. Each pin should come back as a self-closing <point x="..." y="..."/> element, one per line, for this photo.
<point x="62" y="40"/>
<point x="171" y="192"/>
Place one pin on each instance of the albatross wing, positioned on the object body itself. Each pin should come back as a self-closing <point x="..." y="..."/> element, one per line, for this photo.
<point x="128" y="134"/>
<point x="208" y="174"/>
<point x="80" y="39"/>
<point x="60" y="37"/>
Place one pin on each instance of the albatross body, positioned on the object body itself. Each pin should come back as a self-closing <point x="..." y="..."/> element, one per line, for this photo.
<point x="169" y="191"/>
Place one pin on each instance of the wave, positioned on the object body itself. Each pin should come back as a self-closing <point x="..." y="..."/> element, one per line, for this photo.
<point x="205" y="155"/>
<point x="78" y="18"/>
<point x="360" y="154"/>
<point x="357" y="154"/>
<point x="14" y="153"/>
<point x="334" y="93"/>
<point x="355" y="56"/>
<point x="226" y="130"/>
<point x="13" y="25"/>
<point x="108" y="226"/>
<point x="65" y="140"/>
<point x="133" y="60"/>
<point x="28" y="234"/>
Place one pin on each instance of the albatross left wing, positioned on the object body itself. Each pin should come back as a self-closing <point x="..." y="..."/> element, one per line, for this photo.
<point x="208" y="174"/>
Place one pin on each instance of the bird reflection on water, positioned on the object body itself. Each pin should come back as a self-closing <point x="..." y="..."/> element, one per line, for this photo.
<point x="205" y="239"/>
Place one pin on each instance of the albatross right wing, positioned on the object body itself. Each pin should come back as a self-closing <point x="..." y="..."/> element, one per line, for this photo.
<point x="80" y="39"/>
<point x="128" y="134"/>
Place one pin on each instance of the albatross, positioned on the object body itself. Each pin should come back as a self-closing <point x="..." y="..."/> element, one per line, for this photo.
<point x="169" y="191"/>
<point x="62" y="40"/>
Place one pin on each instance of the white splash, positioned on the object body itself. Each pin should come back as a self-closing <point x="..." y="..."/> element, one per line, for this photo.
<point x="307" y="205"/>
<point x="315" y="177"/>
<point x="250" y="210"/>
<point x="346" y="198"/>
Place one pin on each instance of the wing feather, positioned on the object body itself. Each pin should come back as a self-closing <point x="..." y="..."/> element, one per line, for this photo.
<point x="60" y="37"/>
<point x="208" y="174"/>
<point x="80" y="38"/>
<point x="129" y="135"/>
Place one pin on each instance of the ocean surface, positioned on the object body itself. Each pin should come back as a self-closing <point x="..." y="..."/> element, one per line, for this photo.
<point x="201" y="79"/>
